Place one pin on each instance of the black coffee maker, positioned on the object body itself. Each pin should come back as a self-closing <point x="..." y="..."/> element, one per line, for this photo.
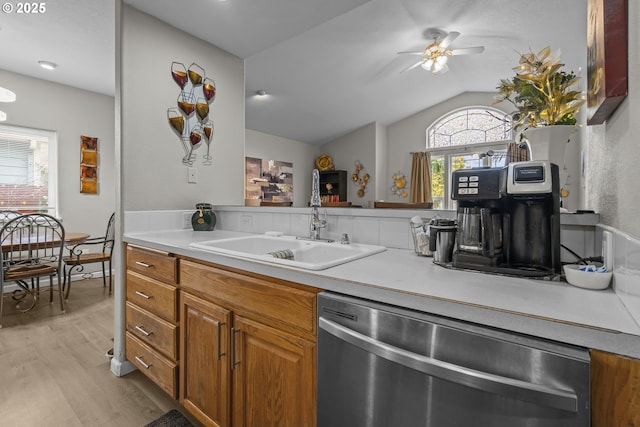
<point x="479" y="195"/>
<point x="508" y="219"/>
<point x="532" y="217"/>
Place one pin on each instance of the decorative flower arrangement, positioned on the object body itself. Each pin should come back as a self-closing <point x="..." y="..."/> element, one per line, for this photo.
<point x="541" y="91"/>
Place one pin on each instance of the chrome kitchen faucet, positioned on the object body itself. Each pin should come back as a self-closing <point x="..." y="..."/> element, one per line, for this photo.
<point x="316" y="223"/>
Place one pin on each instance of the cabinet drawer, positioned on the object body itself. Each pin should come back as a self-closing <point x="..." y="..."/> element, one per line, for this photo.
<point x="162" y="371"/>
<point x="156" y="264"/>
<point x="153" y="296"/>
<point x="268" y="301"/>
<point x="152" y="330"/>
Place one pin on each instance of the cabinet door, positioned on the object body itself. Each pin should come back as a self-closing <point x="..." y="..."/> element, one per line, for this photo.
<point x="274" y="379"/>
<point x="615" y="390"/>
<point x="204" y="371"/>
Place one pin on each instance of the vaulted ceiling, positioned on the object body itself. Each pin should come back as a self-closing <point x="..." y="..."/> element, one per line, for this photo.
<point x="329" y="66"/>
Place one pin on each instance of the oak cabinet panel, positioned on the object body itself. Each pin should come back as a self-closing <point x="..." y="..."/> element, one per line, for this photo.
<point x="273" y="377"/>
<point x="205" y="374"/>
<point x="615" y="390"/>
<point x="161" y="370"/>
<point x="151" y="315"/>
<point x="263" y="371"/>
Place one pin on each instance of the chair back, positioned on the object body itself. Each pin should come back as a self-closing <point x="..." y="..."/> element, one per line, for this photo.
<point x="31" y="239"/>
<point x="6" y="216"/>
<point x="110" y="235"/>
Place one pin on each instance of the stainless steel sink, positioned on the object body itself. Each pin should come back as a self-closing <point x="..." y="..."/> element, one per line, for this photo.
<point x="307" y="254"/>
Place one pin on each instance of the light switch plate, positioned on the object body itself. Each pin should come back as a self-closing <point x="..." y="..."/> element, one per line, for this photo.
<point x="192" y="175"/>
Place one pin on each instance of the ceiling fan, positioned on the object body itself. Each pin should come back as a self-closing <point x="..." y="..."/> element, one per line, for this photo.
<point x="436" y="55"/>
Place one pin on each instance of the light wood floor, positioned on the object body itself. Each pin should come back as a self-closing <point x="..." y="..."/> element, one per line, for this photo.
<point x="54" y="372"/>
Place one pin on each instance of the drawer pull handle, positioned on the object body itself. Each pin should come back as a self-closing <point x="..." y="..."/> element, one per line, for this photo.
<point x="143" y="295"/>
<point x="142" y="331"/>
<point x="143" y="264"/>
<point x="140" y="361"/>
<point x="220" y="354"/>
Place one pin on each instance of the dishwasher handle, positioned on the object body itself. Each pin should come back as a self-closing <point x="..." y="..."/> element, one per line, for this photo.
<point x="553" y="397"/>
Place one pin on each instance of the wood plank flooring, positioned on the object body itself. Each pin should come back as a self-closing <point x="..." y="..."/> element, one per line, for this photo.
<point x="54" y="372"/>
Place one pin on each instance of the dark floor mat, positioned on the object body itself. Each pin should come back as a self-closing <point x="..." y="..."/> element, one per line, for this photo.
<point x="173" y="418"/>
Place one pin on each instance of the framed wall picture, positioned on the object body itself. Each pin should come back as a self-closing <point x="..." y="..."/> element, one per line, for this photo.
<point x="88" y="165"/>
<point x="268" y="180"/>
<point x="607" y="58"/>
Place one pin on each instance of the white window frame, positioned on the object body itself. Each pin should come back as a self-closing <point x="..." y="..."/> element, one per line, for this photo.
<point x="52" y="167"/>
<point x="456" y="150"/>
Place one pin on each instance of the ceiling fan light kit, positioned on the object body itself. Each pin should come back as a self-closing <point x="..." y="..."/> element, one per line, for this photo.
<point x="436" y="55"/>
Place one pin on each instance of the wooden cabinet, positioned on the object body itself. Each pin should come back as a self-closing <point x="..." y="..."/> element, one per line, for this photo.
<point x="205" y="385"/>
<point x="151" y="316"/>
<point x="615" y="390"/>
<point x="273" y="377"/>
<point x="337" y="181"/>
<point x="259" y="335"/>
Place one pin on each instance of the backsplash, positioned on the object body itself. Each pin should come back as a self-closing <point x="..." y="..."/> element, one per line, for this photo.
<point x="626" y="270"/>
<point x="386" y="227"/>
<point x="390" y="228"/>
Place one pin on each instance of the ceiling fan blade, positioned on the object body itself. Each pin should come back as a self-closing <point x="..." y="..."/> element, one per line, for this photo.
<point x="467" y="50"/>
<point x="449" y="39"/>
<point x="413" y="52"/>
<point x="411" y="67"/>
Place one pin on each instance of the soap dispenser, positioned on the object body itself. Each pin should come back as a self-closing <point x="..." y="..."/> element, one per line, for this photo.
<point x="203" y="218"/>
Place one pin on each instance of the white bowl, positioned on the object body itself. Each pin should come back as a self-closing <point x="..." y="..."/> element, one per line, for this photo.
<point x="586" y="279"/>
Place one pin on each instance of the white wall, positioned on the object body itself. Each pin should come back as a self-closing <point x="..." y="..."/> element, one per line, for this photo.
<point x="302" y="155"/>
<point x="153" y="175"/>
<point x="70" y="112"/>
<point x="384" y="180"/>
<point x="359" y="145"/>
<point x="613" y="150"/>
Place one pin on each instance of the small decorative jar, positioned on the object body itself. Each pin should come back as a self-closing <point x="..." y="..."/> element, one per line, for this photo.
<point x="203" y="219"/>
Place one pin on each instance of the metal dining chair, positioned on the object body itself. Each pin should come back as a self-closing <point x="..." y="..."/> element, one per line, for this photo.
<point x="31" y="247"/>
<point x="6" y="216"/>
<point x="80" y="255"/>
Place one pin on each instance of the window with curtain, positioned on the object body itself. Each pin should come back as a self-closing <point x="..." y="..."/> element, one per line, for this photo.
<point x="28" y="178"/>
<point x="474" y="136"/>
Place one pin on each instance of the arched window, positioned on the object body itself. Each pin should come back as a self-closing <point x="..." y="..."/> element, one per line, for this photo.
<point x="469" y="137"/>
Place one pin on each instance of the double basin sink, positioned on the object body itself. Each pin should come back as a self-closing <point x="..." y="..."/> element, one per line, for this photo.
<point x="289" y="251"/>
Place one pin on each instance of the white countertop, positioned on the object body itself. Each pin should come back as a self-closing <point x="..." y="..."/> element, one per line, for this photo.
<point x="552" y="310"/>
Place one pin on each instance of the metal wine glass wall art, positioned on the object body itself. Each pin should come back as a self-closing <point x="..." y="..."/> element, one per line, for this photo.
<point x="190" y="119"/>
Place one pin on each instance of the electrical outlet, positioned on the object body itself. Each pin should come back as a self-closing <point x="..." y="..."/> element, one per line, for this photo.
<point x="607" y="249"/>
<point x="186" y="219"/>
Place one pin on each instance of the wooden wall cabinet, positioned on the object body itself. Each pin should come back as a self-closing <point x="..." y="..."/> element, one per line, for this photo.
<point x="260" y="338"/>
<point x="151" y="317"/>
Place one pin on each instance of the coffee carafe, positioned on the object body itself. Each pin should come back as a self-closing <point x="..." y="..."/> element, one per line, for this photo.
<point x="479" y="231"/>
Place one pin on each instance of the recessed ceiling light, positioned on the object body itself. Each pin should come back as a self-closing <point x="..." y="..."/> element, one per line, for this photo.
<point x="6" y="95"/>
<point x="47" y="65"/>
<point x="3" y="116"/>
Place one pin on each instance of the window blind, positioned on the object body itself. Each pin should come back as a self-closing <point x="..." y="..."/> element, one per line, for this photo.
<point x="24" y="169"/>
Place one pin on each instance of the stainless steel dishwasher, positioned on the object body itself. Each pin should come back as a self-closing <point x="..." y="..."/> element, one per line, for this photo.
<point x="383" y="366"/>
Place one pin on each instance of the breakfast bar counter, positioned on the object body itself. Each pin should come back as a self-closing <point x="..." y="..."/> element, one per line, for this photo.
<point x="547" y="309"/>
